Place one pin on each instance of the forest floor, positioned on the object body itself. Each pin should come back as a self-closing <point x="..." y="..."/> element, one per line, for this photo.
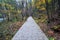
<point x="46" y="29"/>
<point x="13" y="28"/>
<point x="50" y="33"/>
<point x="8" y="29"/>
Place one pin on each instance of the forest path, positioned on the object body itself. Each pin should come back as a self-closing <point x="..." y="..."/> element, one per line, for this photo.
<point x="30" y="31"/>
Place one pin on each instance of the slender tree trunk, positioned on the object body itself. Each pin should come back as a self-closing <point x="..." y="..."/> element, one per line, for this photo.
<point x="47" y="10"/>
<point x="59" y="3"/>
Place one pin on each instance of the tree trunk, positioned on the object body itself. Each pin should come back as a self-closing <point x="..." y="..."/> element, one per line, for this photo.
<point x="59" y="3"/>
<point x="47" y="10"/>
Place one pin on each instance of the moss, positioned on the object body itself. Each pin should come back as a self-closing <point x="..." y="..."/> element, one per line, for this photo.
<point x="51" y="38"/>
